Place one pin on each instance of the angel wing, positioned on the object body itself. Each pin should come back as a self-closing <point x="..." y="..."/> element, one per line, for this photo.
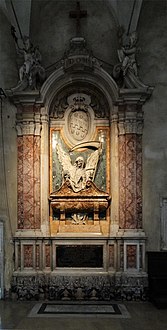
<point x="91" y="165"/>
<point x="65" y="161"/>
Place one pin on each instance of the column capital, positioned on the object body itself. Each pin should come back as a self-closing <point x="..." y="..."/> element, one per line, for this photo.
<point x="130" y="126"/>
<point x="130" y="121"/>
<point x="28" y="124"/>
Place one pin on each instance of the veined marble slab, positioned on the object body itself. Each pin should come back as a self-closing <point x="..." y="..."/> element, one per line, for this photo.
<point x="79" y="309"/>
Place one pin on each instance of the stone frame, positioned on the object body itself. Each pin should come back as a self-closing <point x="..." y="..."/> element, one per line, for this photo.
<point x="125" y="117"/>
<point x="1" y="260"/>
<point x="163" y="224"/>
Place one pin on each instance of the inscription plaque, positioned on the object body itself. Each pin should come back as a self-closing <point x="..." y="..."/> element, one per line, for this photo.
<point x="79" y="256"/>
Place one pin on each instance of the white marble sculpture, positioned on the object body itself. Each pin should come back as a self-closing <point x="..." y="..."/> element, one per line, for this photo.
<point x="79" y="173"/>
<point x="127" y="55"/>
<point x="31" y="68"/>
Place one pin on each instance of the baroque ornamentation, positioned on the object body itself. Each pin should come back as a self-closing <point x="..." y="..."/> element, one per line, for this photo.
<point x="79" y="173"/>
<point x="78" y="218"/>
<point x="84" y="97"/>
<point x="78" y="118"/>
<point x="126" y="71"/>
<point x="59" y="108"/>
<point x="130" y="126"/>
<point x="31" y="72"/>
<point x="80" y="204"/>
<point x="79" y="287"/>
<point x="78" y="57"/>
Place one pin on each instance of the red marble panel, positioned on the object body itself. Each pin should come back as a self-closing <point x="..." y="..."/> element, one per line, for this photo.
<point x="130" y="181"/>
<point x="141" y="256"/>
<point x="131" y="256"/>
<point x="37" y="255"/>
<point x="20" y="182"/>
<point x="139" y="180"/>
<point x="122" y="180"/>
<point x="19" y="255"/>
<point x="28" y="256"/>
<point x="111" y="256"/>
<point x="130" y="185"/>
<point x="29" y="182"/>
<point x="47" y="255"/>
<point x="36" y="177"/>
<point x="121" y="256"/>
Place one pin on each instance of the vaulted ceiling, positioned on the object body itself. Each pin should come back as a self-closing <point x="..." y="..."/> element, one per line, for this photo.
<point x="126" y="13"/>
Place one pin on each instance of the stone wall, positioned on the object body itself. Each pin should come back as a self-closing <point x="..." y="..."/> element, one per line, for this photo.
<point x="8" y="155"/>
<point x="52" y="28"/>
<point x="153" y="67"/>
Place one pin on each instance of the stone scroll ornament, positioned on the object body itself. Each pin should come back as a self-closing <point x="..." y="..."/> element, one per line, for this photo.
<point x="79" y="173"/>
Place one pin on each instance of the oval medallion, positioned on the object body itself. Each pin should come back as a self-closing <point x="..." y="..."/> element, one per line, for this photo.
<point x="78" y="124"/>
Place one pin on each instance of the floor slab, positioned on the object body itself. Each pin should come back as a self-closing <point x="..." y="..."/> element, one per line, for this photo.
<point x="143" y="316"/>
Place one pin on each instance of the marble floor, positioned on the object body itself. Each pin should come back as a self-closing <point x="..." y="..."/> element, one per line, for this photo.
<point x="143" y="316"/>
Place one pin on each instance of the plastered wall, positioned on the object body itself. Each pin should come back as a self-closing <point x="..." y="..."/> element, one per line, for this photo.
<point x="153" y="71"/>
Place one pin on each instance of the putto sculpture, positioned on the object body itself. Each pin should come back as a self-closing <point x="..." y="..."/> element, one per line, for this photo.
<point x="31" y="72"/>
<point x="126" y="71"/>
<point x="127" y="55"/>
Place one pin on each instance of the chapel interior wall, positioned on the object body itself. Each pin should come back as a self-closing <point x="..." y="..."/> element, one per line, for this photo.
<point x="47" y="32"/>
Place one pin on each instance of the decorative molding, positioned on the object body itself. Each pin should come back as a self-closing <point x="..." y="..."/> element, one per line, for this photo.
<point x="64" y="99"/>
<point x="78" y="57"/>
<point x="130" y="126"/>
<point x="88" y="287"/>
<point x="28" y="128"/>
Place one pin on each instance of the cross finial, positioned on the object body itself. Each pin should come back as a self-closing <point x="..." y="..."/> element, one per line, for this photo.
<point x="78" y="14"/>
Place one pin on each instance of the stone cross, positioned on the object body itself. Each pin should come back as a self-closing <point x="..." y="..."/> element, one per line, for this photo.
<point x="78" y="14"/>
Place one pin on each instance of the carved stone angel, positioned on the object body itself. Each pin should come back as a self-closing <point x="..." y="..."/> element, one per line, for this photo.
<point x="127" y="55"/>
<point x="79" y="173"/>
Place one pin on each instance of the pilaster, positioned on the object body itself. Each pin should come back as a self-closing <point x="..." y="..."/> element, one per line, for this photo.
<point x="131" y="247"/>
<point x="28" y="126"/>
<point x="130" y="124"/>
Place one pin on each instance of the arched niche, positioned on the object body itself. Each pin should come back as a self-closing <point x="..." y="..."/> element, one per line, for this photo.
<point x="97" y="79"/>
<point x="101" y="90"/>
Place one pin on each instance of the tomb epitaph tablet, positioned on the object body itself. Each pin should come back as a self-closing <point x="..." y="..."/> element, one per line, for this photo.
<point x="89" y="256"/>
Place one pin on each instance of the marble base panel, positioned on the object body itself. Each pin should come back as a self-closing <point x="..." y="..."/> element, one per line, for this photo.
<point x="102" y="287"/>
<point x="79" y="309"/>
